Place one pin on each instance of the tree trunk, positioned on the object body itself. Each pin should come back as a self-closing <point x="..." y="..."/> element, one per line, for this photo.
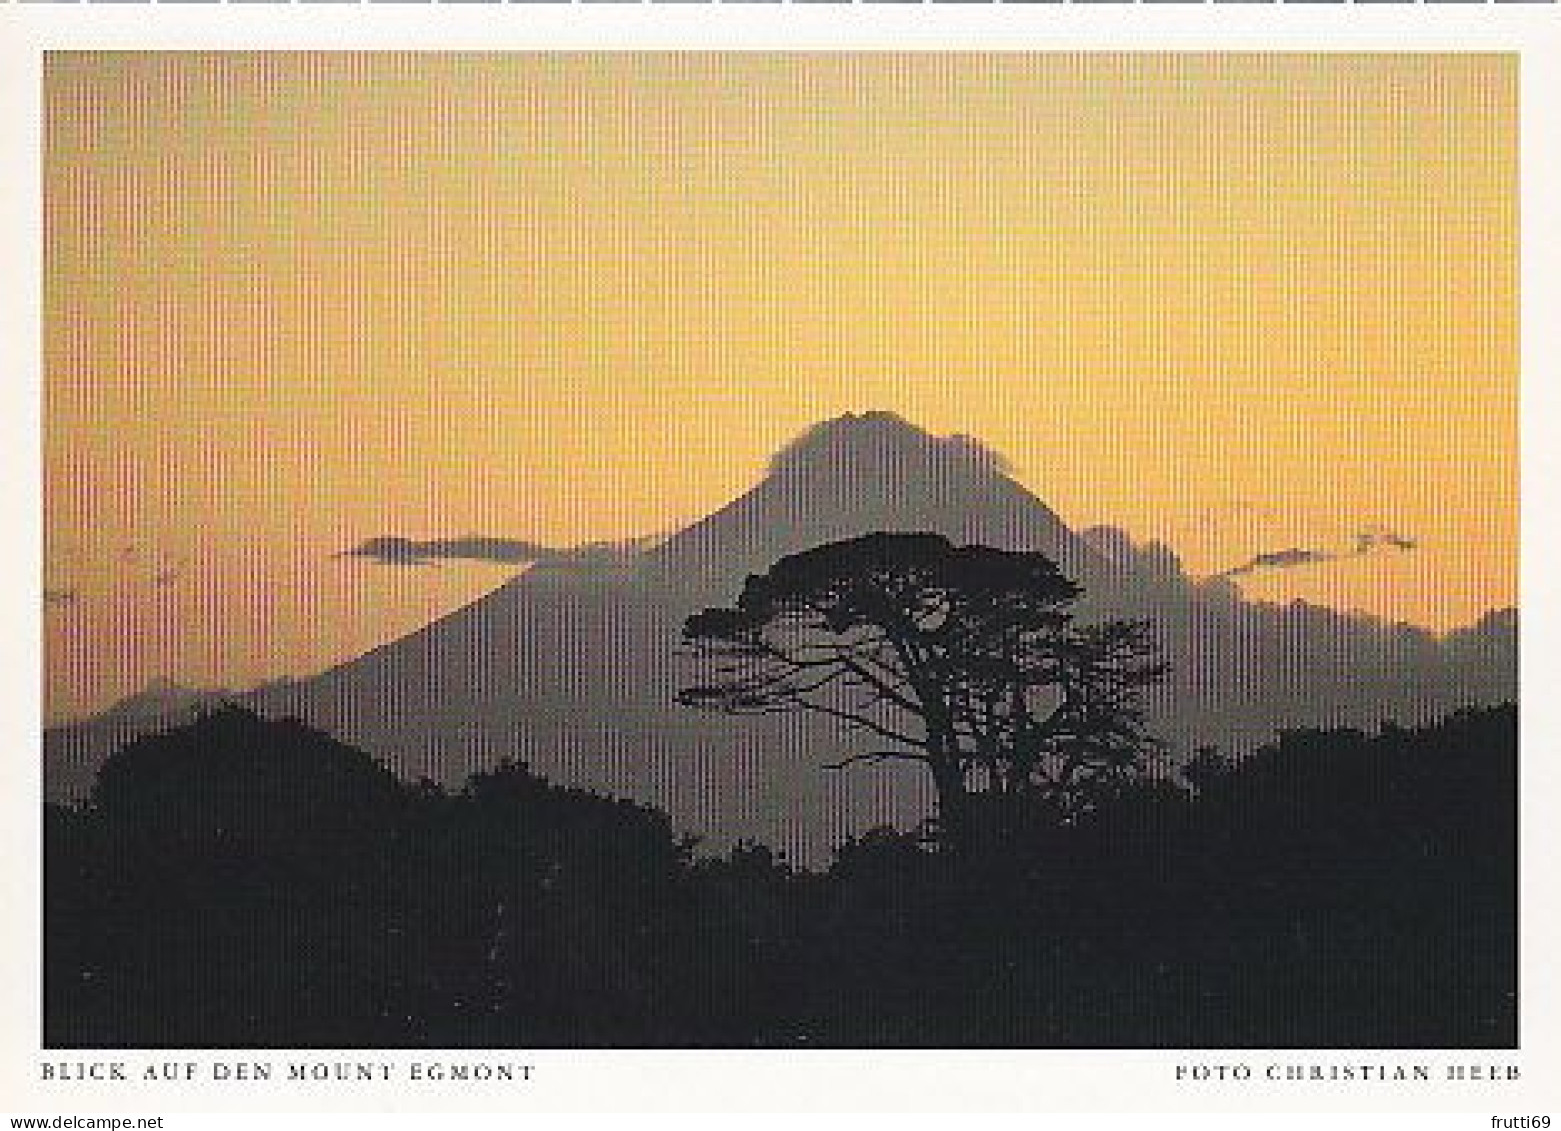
<point x="954" y="816"/>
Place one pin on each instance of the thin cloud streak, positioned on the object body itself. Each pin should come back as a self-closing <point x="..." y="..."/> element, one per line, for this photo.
<point x="393" y="550"/>
<point x="1366" y="542"/>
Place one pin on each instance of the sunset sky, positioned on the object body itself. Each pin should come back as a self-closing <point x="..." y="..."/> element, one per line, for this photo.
<point x="1241" y="304"/>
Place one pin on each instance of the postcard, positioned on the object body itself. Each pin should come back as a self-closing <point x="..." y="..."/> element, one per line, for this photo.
<point x="780" y="559"/>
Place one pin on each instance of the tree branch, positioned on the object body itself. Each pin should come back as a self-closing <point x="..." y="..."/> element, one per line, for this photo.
<point x="878" y="756"/>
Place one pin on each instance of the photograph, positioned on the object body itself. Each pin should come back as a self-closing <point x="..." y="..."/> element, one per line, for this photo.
<point x="780" y="550"/>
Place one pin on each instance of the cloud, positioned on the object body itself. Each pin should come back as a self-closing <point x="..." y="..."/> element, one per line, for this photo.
<point x="1366" y="542"/>
<point x="1150" y="558"/>
<point x="110" y="567"/>
<point x="398" y="551"/>
<point x="1281" y="559"/>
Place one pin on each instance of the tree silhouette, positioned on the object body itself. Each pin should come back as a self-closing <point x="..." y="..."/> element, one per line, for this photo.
<point x="965" y="660"/>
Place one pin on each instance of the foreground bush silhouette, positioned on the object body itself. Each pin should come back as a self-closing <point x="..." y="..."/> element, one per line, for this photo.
<point x="246" y="882"/>
<point x="231" y="868"/>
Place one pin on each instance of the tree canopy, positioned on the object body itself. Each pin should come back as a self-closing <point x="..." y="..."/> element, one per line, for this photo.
<point x="244" y="780"/>
<point x="964" y="659"/>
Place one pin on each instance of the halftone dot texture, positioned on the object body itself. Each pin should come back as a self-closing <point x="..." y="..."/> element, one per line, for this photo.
<point x="1236" y="304"/>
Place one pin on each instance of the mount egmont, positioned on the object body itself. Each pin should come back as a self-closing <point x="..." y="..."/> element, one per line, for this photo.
<point x="573" y="665"/>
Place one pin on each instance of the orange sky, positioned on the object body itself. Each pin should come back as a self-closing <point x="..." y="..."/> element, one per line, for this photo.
<point x="1240" y="303"/>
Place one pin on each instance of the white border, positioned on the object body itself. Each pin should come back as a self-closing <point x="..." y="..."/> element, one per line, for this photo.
<point x="1050" y="1081"/>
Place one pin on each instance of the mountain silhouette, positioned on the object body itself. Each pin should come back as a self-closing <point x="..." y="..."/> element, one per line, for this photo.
<point x="861" y="473"/>
<point x="573" y="669"/>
